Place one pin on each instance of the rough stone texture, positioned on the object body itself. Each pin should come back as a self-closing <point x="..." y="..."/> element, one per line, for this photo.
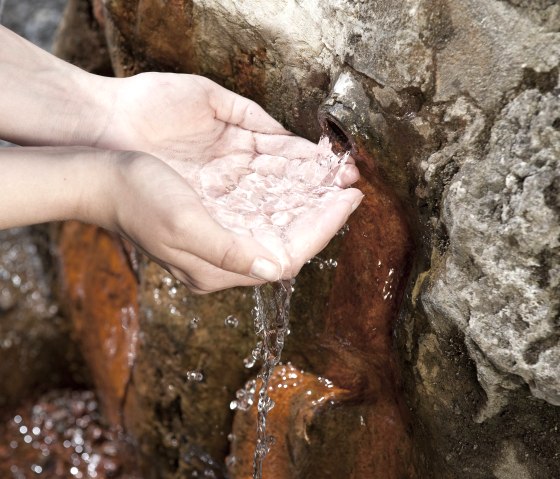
<point x="454" y="106"/>
<point x="189" y="365"/>
<point x="505" y="295"/>
<point x="302" y="401"/>
<point x="80" y="38"/>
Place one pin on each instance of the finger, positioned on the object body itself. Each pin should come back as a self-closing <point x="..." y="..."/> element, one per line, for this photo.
<point x="224" y="249"/>
<point x="346" y="175"/>
<point x="287" y="146"/>
<point x="238" y="110"/>
<point x="202" y="277"/>
<point x="312" y="231"/>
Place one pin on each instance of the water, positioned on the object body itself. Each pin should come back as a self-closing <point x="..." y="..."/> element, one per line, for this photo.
<point x="272" y="314"/>
<point x="62" y="435"/>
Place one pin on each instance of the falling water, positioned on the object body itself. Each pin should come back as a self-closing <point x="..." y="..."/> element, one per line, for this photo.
<point x="271" y="316"/>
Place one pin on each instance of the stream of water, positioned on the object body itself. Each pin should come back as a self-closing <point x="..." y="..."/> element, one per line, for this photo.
<point x="271" y="315"/>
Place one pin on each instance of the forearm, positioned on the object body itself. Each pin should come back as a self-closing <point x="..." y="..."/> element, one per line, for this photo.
<point x="47" y="184"/>
<point x="46" y="101"/>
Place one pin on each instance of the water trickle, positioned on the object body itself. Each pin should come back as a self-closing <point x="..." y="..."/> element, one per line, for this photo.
<point x="245" y="397"/>
<point x="272" y="314"/>
<point x="231" y="321"/>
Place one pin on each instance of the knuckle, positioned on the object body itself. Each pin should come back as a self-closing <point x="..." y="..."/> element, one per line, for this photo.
<point x="231" y="255"/>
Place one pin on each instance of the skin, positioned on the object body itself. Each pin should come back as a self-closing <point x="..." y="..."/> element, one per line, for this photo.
<point x="145" y="156"/>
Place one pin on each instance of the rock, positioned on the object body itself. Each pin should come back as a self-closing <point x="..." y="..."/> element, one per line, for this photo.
<point x="35" y="348"/>
<point x="188" y="366"/>
<point x="101" y="298"/>
<point x="90" y="53"/>
<point x="504" y="295"/>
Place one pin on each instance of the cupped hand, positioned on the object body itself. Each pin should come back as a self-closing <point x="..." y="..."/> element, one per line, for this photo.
<point x="157" y="210"/>
<point x="179" y="117"/>
<point x="255" y="179"/>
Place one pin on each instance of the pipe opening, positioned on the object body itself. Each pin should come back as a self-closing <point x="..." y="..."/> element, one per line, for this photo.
<point x="338" y="138"/>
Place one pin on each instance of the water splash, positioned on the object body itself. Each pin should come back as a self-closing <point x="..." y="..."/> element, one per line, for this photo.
<point x="271" y="324"/>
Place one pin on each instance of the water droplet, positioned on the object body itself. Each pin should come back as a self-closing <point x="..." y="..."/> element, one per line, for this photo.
<point x="157" y="296"/>
<point x="194" y="376"/>
<point x="231" y="321"/>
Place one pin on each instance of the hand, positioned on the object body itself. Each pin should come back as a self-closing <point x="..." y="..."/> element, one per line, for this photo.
<point x="159" y="211"/>
<point x="229" y="150"/>
<point x="155" y="208"/>
<point x="187" y="119"/>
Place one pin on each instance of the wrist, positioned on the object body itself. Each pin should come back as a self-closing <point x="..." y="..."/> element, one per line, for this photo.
<point x="97" y="172"/>
<point x="91" y="112"/>
<point x="50" y="102"/>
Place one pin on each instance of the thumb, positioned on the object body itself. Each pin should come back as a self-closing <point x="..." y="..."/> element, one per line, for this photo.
<point x="230" y="251"/>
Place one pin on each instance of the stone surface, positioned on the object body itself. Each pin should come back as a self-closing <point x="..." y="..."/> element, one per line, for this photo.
<point x="504" y="295"/>
<point x="189" y="365"/>
<point x="302" y="400"/>
<point x="81" y="21"/>
<point x="62" y="435"/>
<point x="35" y="348"/>
<point x="101" y="299"/>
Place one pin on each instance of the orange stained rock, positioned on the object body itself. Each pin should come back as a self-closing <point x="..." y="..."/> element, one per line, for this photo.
<point x="149" y="30"/>
<point x="300" y="398"/>
<point x="364" y="304"/>
<point x="100" y="293"/>
<point x="360" y="429"/>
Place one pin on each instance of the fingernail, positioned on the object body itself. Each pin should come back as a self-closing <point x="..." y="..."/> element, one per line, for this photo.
<point x="265" y="270"/>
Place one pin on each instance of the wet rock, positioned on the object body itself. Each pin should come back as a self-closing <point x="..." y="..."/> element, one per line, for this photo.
<point x="300" y="400"/>
<point x="189" y="364"/>
<point x="101" y="291"/>
<point x="62" y="435"/>
<point x="35" y="347"/>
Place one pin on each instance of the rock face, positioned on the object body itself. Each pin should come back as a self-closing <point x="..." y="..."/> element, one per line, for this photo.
<point x="503" y="294"/>
<point x="453" y="109"/>
<point x="35" y="349"/>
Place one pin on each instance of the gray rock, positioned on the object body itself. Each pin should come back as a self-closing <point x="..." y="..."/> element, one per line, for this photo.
<point x="500" y="281"/>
